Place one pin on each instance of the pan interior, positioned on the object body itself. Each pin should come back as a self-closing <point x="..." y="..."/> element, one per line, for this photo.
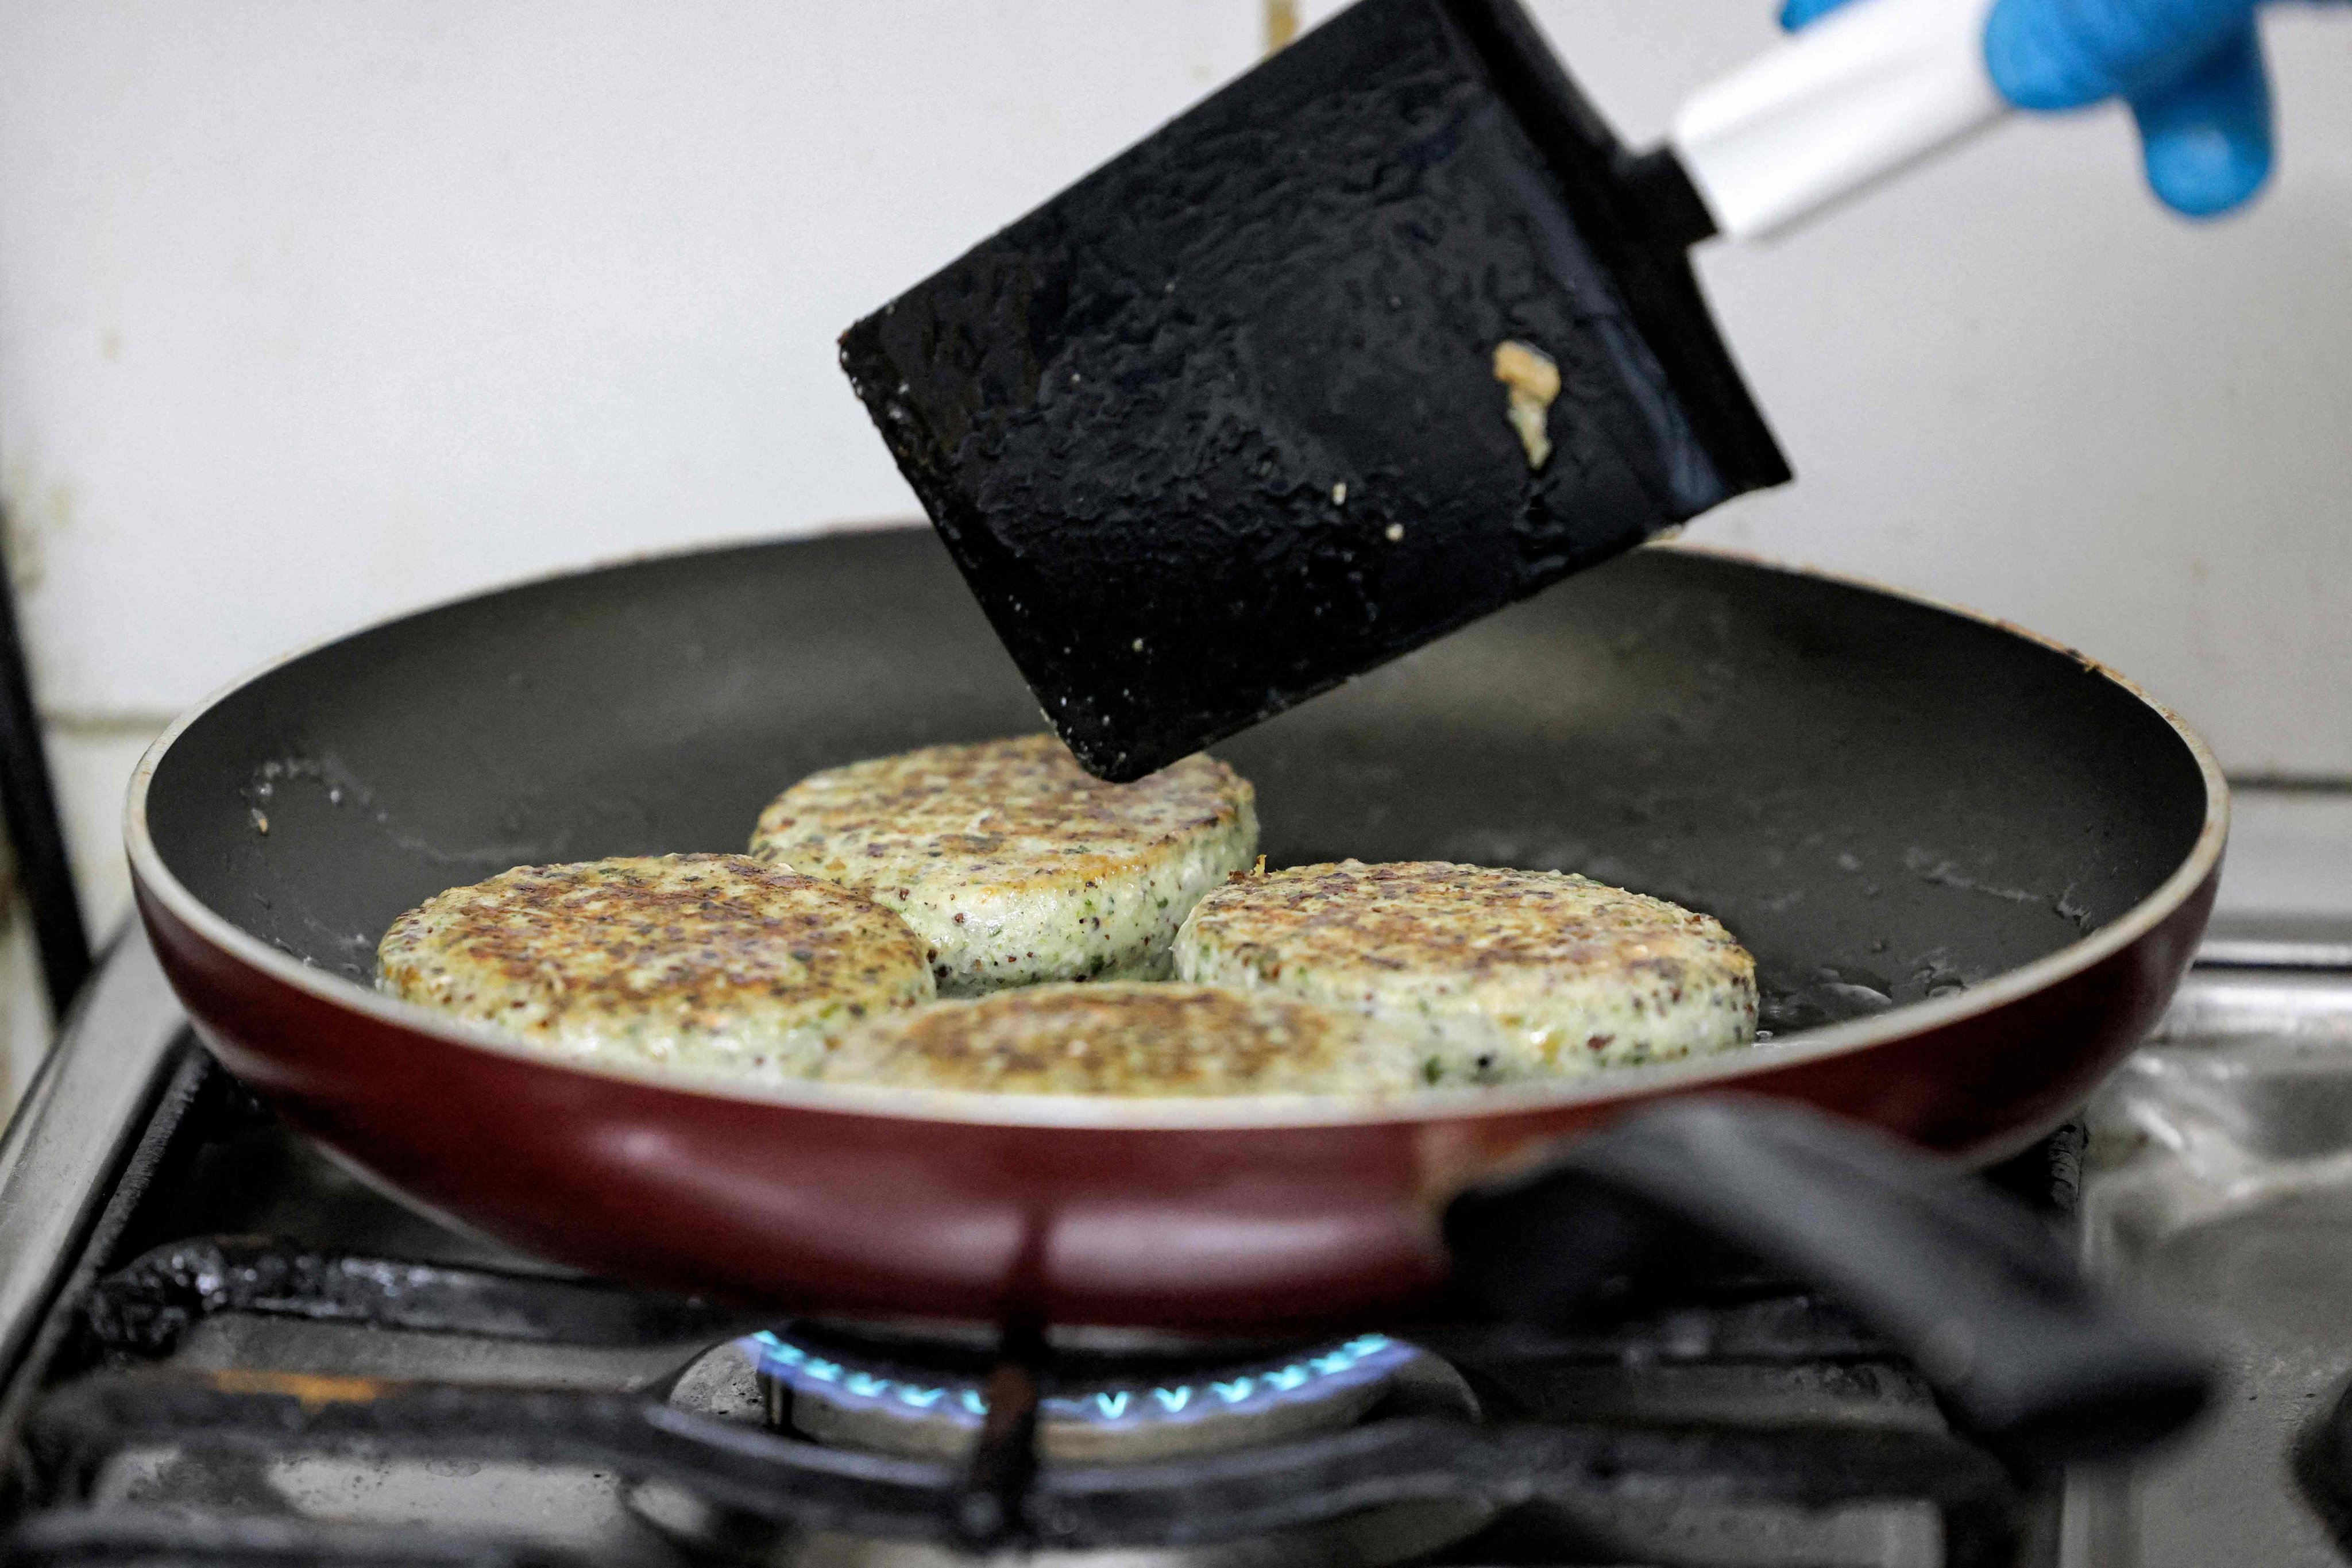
<point x="1884" y="801"/>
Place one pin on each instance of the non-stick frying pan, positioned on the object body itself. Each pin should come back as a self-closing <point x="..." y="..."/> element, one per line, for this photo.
<point x="1971" y="866"/>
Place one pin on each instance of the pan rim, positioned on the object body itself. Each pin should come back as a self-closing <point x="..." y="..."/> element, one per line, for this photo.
<point x="154" y="879"/>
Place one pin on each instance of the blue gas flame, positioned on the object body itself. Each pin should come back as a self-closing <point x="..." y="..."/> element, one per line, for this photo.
<point x="1352" y="1363"/>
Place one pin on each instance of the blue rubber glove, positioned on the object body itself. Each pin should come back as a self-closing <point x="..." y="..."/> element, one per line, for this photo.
<point x="2190" y="69"/>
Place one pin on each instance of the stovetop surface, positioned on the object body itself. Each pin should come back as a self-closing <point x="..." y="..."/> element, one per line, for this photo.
<point x="249" y="1355"/>
<point x="284" y="1351"/>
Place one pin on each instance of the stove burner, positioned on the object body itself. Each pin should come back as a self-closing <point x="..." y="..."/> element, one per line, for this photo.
<point x="1264" y="1413"/>
<point x="894" y="1408"/>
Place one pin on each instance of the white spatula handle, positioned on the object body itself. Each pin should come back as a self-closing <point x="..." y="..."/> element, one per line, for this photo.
<point x="1854" y="97"/>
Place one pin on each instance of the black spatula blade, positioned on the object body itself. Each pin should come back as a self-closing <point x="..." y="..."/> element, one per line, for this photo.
<point x="1220" y="426"/>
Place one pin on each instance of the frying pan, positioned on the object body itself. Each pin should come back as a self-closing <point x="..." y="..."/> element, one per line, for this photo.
<point x="1971" y="866"/>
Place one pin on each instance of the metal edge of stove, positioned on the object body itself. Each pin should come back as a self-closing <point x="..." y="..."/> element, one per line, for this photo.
<point x="2265" y="976"/>
<point x="122" y="1052"/>
<point x="2307" y="941"/>
<point x="2260" y="982"/>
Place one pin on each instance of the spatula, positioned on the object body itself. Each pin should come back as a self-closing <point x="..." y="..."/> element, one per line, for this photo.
<point x="1383" y="335"/>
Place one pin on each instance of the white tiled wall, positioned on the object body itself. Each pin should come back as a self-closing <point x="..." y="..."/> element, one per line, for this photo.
<point x="312" y="310"/>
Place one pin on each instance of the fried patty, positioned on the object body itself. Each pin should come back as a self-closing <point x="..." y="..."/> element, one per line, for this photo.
<point x="712" y="965"/>
<point x="1498" y="976"/>
<point x="1127" y="1039"/>
<point x="1013" y="863"/>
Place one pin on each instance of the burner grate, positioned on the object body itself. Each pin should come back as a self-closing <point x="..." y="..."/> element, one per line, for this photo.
<point x="148" y="1308"/>
<point x="123" y="1538"/>
<point x="1579" y="1471"/>
<point x="273" y="1415"/>
<point x="1844" y="1427"/>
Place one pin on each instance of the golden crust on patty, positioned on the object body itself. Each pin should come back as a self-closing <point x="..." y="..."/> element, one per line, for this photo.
<point x="1499" y="975"/>
<point x="1126" y="1038"/>
<point x="1015" y="865"/>
<point x="704" y="964"/>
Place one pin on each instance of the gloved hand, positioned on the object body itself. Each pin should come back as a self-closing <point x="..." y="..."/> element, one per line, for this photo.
<point x="2190" y="69"/>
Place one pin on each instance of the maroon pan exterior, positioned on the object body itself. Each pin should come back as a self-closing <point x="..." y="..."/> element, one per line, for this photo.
<point x="1834" y="770"/>
<point x="851" y="1209"/>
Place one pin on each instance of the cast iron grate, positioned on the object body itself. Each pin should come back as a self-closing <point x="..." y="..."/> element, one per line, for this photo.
<point x="140" y="1401"/>
<point x="236" y="1358"/>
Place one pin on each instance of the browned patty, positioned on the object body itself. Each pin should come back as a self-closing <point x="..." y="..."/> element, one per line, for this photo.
<point x="1126" y="1038"/>
<point x="1501" y="973"/>
<point x="1014" y="864"/>
<point x="706" y="964"/>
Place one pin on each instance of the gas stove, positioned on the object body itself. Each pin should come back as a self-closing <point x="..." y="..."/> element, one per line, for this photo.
<point x="222" y="1348"/>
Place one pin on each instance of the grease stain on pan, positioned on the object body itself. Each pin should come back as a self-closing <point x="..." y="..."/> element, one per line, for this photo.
<point x="294" y="783"/>
<point x="339" y="787"/>
<point x="1943" y="872"/>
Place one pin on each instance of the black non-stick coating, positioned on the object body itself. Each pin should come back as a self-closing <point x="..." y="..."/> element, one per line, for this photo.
<point x="1880" y="798"/>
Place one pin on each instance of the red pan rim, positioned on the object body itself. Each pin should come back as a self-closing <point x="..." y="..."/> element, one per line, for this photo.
<point x="157" y="881"/>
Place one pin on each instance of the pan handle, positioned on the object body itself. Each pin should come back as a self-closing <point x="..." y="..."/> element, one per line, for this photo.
<point x="1969" y="1284"/>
